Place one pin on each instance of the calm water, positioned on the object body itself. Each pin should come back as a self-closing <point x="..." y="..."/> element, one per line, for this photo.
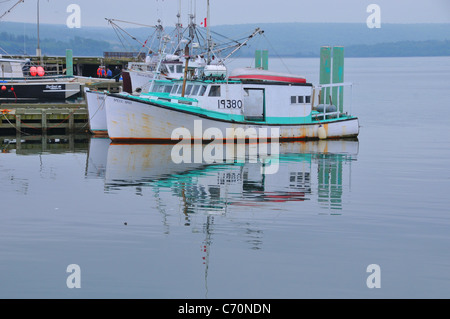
<point x="140" y="226"/>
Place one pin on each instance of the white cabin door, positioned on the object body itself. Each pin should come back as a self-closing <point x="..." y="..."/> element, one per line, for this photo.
<point x="254" y="104"/>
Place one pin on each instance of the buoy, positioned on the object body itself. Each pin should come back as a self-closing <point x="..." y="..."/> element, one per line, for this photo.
<point x="321" y="132"/>
<point x="3" y="88"/>
<point x="33" y="71"/>
<point x="40" y="71"/>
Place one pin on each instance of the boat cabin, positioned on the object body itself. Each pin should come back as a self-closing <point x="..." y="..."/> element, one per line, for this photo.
<point x="242" y="100"/>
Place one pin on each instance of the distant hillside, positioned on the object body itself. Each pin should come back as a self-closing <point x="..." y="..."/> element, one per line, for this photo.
<point x="281" y="39"/>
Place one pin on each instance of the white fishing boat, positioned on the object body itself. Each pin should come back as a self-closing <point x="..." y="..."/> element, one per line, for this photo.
<point x="224" y="109"/>
<point x="249" y="104"/>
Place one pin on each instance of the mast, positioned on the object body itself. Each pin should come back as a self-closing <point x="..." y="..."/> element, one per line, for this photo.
<point x="208" y="34"/>
<point x="38" y="49"/>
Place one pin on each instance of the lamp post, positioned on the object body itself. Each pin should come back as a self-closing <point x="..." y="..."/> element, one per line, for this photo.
<point x="38" y="49"/>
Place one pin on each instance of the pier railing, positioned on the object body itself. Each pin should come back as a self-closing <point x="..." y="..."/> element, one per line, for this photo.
<point x="333" y="104"/>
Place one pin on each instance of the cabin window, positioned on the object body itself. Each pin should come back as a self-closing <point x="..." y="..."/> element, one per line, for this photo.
<point x="179" y="68"/>
<point x="202" y="90"/>
<point x="195" y="89"/>
<point x="167" y="88"/>
<point x="214" y="90"/>
<point x="180" y="89"/>
<point x="175" y="89"/>
<point x="171" y="68"/>
<point x="300" y="99"/>
<point x="188" y="89"/>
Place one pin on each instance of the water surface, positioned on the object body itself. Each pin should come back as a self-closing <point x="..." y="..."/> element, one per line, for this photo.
<point x="140" y="226"/>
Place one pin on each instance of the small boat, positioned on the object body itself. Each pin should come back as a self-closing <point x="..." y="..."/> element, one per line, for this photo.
<point x="21" y="82"/>
<point x="253" y="74"/>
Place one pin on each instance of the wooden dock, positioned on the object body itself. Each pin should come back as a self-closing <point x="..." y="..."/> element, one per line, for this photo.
<point x="48" y="118"/>
<point x="38" y="118"/>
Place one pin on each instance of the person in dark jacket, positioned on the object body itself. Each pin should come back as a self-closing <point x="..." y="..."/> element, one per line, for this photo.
<point x="116" y="73"/>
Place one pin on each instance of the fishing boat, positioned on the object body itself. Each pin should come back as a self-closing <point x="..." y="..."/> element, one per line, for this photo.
<point x="245" y="104"/>
<point x="20" y="81"/>
<point x="229" y="108"/>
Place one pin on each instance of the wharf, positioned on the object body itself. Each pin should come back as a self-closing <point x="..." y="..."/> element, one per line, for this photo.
<point x="37" y="118"/>
<point x="51" y="117"/>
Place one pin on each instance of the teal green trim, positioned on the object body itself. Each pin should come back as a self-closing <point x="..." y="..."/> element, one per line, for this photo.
<point x="69" y="62"/>
<point x="265" y="60"/>
<point x="338" y="77"/>
<point x="325" y="72"/>
<point x="166" y="96"/>
<point x="257" y="59"/>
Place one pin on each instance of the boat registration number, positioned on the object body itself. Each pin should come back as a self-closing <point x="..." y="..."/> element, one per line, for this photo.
<point x="229" y="104"/>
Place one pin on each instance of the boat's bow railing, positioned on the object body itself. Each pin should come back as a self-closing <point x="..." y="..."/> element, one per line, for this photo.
<point x="331" y="101"/>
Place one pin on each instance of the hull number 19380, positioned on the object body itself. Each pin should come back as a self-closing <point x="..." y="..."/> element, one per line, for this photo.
<point x="229" y="104"/>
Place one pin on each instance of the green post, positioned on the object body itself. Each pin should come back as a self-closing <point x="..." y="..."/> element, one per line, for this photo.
<point x="325" y="73"/>
<point x="69" y="62"/>
<point x="265" y="60"/>
<point x="338" y="77"/>
<point x="258" y="59"/>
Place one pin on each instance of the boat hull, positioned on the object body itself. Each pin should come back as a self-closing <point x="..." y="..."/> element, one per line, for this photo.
<point x="25" y="92"/>
<point x="131" y="120"/>
<point x="97" y="113"/>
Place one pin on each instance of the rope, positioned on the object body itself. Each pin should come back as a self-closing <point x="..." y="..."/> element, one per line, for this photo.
<point x="276" y="53"/>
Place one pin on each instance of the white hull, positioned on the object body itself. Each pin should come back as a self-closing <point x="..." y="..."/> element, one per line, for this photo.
<point x="97" y="112"/>
<point x="132" y="120"/>
<point x="140" y="80"/>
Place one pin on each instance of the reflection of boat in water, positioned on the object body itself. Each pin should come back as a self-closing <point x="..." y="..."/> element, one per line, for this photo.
<point x="305" y="170"/>
<point x="206" y="197"/>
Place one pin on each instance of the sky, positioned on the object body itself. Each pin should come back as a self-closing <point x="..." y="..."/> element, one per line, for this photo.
<point x="223" y="12"/>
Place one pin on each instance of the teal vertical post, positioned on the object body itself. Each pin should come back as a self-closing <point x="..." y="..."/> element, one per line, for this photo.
<point x="265" y="60"/>
<point x="325" y="73"/>
<point x="258" y="59"/>
<point x="338" y="77"/>
<point x="69" y="62"/>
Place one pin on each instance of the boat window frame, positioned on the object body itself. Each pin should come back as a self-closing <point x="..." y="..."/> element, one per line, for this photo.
<point x="214" y="91"/>
<point x="203" y="89"/>
<point x="195" y="89"/>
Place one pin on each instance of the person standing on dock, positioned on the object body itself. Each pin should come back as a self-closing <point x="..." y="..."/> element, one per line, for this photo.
<point x="99" y="72"/>
<point x="109" y="74"/>
<point x="116" y="73"/>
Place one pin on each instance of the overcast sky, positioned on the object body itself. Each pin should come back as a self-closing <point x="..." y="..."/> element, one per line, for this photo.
<point x="93" y="13"/>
